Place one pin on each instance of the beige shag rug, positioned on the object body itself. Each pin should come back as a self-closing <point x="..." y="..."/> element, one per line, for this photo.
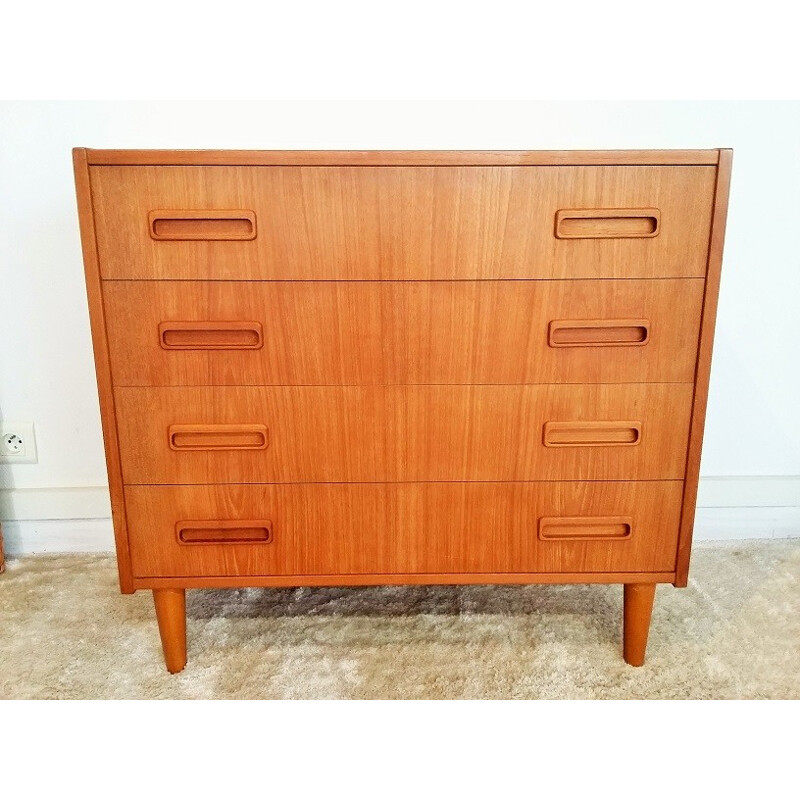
<point x="66" y="632"/>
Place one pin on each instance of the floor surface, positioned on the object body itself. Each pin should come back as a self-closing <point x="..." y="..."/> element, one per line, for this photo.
<point x="67" y="632"/>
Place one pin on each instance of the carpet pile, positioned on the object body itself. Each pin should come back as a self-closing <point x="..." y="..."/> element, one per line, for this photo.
<point x="66" y="632"/>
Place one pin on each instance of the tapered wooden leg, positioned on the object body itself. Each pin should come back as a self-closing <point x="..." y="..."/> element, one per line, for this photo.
<point x="636" y="622"/>
<point x="171" y="615"/>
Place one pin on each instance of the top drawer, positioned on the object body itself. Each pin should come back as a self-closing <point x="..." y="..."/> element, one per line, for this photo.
<point x="402" y="223"/>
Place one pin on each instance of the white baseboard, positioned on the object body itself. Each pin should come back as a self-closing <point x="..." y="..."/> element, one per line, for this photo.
<point x="58" y="536"/>
<point x="781" y="522"/>
<point x="77" y="519"/>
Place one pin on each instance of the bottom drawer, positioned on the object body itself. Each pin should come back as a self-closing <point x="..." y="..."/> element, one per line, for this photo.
<point x="405" y="528"/>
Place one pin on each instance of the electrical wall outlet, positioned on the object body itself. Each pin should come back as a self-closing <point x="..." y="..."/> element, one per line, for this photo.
<point x="17" y="443"/>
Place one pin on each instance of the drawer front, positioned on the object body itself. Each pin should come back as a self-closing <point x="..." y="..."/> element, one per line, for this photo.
<point x="402" y="223"/>
<point x="402" y="433"/>
<point x="190" y="333"/>
<point x="412" y="528"/>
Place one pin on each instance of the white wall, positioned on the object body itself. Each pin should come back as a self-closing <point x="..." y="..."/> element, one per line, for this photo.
<point x="46" y="370"/>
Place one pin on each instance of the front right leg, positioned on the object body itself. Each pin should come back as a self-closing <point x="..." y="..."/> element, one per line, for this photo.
<point x="638" y="607"/>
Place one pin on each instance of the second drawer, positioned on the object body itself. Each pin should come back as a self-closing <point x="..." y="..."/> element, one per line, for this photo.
<point x="287" y="434"/>
<point x="295" y="333"/>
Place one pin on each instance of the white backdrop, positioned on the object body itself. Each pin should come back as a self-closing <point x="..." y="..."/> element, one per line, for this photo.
<point x="46" y="369"/>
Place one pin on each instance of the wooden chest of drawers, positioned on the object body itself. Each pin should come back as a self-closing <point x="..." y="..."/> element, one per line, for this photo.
<point x="352" y="368"/>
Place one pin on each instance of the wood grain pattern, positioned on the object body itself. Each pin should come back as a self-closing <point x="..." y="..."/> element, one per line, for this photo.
<point x="340" y="529"/>
<point x="396" y="158"/>
<point x="102" y="364"/>
<point x="355" y="333"/>
<point x="703" y="372"/>
<point x="404" y="223"/>
<point x="401" y="433"/>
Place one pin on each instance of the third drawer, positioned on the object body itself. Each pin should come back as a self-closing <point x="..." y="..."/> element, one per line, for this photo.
<point x="290" y="434"/>
<point x="165" y="333"/>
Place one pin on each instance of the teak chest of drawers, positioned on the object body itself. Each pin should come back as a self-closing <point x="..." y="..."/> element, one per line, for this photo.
<point x="350" y="368"/>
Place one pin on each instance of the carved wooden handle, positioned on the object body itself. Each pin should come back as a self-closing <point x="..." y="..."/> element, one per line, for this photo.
<point x="579" y="529"/>
<point x="210" y="335"/>
<point x="598" y="333"/>
<point x="592" y="434"/>
<point x="608" y="223"/>
<point x="186" y="226"/>
<point x="224" y="532"/>
<point x="218" y="437"/>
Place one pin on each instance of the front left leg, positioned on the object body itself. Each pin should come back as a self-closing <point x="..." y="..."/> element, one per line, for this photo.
<point x="171" y="614"/>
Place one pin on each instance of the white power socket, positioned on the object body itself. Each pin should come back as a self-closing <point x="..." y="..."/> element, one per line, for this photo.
<point x="17" y="443"/>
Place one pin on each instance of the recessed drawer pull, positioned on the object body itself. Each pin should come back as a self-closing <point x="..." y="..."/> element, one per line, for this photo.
<point x="608" y="223"/>
<point x="187" y="226"/>
<point x="583" y="529"/>
<point x="598" y="333"/>
<point x="224" y="532"/>
<point x="592" y="434"/>
<point x="218" y="437"/>
<point x="210" y="335"/>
